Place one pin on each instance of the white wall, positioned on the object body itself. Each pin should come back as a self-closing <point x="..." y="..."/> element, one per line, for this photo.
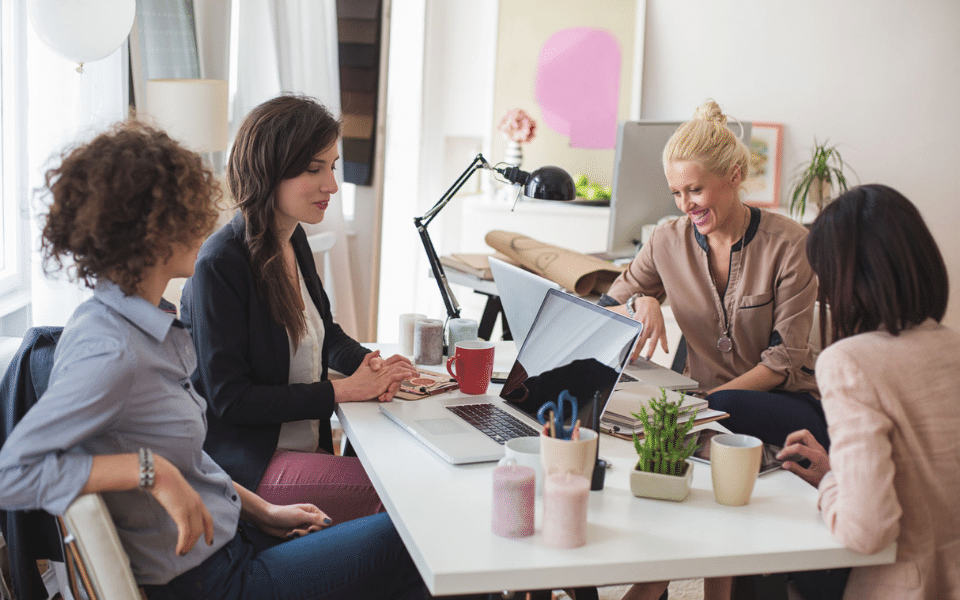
<point x="440" y="91"/>
<point x="881" y="79"/>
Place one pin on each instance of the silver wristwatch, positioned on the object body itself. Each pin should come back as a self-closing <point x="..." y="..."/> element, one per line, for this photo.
<point x="629" y="304"/>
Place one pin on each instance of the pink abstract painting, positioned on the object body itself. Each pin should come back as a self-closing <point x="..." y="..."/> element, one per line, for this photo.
<point x="578" y="86"/>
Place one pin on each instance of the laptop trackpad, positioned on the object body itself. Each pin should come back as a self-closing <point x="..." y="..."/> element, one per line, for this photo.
<point x="441" y="426"/>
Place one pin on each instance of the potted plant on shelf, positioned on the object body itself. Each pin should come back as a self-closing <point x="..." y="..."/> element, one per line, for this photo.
<point x="814" y="182"/>
<point x="663" y="470"/>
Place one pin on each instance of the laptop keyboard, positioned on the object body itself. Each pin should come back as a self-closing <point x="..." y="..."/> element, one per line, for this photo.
<point x="496" y="423"/>
<point x="624" y="378"/>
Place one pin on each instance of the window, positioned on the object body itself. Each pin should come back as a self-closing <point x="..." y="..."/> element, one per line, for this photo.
<point x="14" y="247"/>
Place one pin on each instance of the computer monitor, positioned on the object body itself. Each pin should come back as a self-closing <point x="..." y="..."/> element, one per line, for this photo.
<point x="641" y="194"/>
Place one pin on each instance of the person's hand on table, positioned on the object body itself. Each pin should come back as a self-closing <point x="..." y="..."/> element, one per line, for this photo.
<point x="374" y="378"/>
<point x="799" y="445"/>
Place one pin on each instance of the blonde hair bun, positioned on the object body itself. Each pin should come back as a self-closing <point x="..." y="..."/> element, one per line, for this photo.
<point x="710" y="111"/>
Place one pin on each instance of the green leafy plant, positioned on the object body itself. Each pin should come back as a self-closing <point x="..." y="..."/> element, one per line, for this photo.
<point x="591" y="190"/>
<point x="815" y="177"/>
<point x="664" y="449"/>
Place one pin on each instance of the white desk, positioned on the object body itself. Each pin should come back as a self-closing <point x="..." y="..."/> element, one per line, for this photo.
<point x="443" y="515"/>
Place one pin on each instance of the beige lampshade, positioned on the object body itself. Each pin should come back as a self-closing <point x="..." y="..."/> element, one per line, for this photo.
<point x="191" y="111"/>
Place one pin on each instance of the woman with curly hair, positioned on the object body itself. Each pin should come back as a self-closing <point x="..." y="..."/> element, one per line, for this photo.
<point x="261" y="321"/>
<point x="120" y="417"/>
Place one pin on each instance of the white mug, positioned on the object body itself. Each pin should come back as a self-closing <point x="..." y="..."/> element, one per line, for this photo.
<point x="525" y="451"/>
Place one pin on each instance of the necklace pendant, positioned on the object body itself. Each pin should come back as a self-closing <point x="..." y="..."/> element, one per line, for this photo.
<point x="724" y="344"/>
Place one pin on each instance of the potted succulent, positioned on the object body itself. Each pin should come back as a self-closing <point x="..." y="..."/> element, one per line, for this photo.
<point x="663" y="470"/>
<point x="814" y="181"/>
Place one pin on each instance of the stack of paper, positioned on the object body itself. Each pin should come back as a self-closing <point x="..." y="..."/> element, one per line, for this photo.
<point x="623" y="402"/>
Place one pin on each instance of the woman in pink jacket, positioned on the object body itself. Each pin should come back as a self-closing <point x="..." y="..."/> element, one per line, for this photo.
<point x="890" y="385"/>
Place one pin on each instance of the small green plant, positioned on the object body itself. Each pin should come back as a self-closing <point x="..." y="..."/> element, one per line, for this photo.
<point x="591" y="190"/>
<point x="663" y="449"/>
<point x="825" y="166"/>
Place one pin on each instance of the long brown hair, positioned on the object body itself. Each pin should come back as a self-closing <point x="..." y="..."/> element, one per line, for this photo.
<point x="276" y="141"/>
<point x="121" y="200"/>
<point x="878" y="264"/>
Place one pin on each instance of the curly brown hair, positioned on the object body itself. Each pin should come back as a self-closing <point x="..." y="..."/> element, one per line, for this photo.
<point x="121" y="201"/>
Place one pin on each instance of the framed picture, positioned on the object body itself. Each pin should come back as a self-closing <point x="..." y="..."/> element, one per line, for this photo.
<point x="766" y="149"/>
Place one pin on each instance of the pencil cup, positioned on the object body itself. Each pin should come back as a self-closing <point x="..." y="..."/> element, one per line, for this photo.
<point x="568" y="456"/>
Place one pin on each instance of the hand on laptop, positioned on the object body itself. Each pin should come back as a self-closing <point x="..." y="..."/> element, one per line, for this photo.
<point x="647" y="311"/>
<point x="799" y="445"/>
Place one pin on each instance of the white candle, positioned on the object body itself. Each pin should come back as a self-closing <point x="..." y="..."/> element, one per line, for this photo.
<point x="406" y="331"/>
<point x="513" y="490"/>
<point x="565" y="510"/>
<point x="428" y="342"/>
<point x="460" y="330"/>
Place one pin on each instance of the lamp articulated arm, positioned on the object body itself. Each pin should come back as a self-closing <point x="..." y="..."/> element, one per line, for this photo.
<point x="550" y="183"/>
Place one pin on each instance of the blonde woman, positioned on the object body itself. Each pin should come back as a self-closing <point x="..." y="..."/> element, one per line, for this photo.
<point x="741" y="289"/>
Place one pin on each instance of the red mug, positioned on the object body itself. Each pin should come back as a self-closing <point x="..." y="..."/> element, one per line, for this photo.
<point x="474" y="368"/>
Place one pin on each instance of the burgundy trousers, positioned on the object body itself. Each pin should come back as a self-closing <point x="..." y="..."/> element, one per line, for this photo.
<point x="337" y="485"/>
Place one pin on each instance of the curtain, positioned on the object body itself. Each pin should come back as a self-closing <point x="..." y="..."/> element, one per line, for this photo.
<point x="65" y="107"/>
<point x="291" y="46"/>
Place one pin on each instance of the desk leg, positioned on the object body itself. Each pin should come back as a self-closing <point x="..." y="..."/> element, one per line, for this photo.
<point x="491" y="310"/>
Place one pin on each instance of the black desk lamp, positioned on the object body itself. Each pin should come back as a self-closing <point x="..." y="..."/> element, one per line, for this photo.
<point x="546" y="183"/>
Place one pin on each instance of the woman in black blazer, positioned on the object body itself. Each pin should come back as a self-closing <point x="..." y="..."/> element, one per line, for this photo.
<point x="262" y="326"/>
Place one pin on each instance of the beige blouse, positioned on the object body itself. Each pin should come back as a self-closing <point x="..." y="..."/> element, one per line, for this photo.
<point x="893" y="406"/>
<point x="769" y="300"/>
<point x="306" y="365"/>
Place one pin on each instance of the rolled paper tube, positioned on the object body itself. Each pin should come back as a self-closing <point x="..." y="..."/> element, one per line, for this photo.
<point x="514" y="487"/>
<point x="428" y="342"/>
<point x="460" y="330"/>
<point x="565" y="500"/>
<point x="406" y="331"/>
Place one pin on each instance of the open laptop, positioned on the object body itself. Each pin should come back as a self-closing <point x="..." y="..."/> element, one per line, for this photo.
<point x="572" y="344"/>
<point x="521" y="293"/>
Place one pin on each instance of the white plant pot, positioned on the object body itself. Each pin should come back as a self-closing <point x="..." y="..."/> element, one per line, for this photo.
<point x="661" y="487"/>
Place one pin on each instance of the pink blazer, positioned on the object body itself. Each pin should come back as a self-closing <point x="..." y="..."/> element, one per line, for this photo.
<point x="893" y="408"/>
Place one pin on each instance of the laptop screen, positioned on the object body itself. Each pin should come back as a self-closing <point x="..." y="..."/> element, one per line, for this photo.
<point x="572" y="345"/>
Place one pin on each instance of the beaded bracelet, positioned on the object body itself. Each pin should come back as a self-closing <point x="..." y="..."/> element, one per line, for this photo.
<point x="148" y="474"/>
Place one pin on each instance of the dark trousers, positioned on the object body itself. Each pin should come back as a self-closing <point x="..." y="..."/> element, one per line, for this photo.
<point x="771" y="416"/>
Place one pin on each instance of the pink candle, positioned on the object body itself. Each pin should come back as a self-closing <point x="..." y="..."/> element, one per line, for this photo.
<point x="565" y="499"/>
<point x="513" y="491"/>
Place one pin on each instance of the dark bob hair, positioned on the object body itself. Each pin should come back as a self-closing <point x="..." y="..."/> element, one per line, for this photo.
<point x="878" y="265"/>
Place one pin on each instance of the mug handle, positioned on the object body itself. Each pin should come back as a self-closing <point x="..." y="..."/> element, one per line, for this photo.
<point x="450" y="362"/>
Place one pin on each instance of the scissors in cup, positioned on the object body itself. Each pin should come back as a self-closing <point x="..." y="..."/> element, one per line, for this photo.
<point x="555" y="411"/>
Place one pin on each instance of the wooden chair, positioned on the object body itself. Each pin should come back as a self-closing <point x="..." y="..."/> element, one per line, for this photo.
<point x="97" y="565"/>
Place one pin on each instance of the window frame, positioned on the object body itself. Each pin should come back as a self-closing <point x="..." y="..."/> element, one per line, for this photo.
<point x="14" y="203"/>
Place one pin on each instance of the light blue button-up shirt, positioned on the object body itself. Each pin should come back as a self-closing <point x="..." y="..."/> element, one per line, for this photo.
<point x="120" y="381"/>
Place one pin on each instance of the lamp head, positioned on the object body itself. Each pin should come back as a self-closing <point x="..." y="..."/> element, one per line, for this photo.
<point x="546" y="183"/>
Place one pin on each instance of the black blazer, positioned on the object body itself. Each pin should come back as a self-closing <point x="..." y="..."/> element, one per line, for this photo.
<point x="243" y="356"/>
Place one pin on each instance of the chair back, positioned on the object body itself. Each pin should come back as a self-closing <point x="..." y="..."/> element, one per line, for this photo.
<point x="96" y="561"/>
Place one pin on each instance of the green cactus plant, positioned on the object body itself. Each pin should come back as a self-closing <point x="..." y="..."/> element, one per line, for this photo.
<point x="663" y="449"/>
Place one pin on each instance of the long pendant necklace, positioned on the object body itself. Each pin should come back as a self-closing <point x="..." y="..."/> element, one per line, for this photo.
<point x="725" y="344"/>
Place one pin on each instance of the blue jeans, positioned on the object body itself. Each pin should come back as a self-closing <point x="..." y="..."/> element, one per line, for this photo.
<point x="363" y="558"/>
<point x="771" y="416"/>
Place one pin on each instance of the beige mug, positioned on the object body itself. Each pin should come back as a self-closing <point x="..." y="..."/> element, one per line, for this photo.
<point x="734" y="466"/>
<point x="559" y="456"/>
